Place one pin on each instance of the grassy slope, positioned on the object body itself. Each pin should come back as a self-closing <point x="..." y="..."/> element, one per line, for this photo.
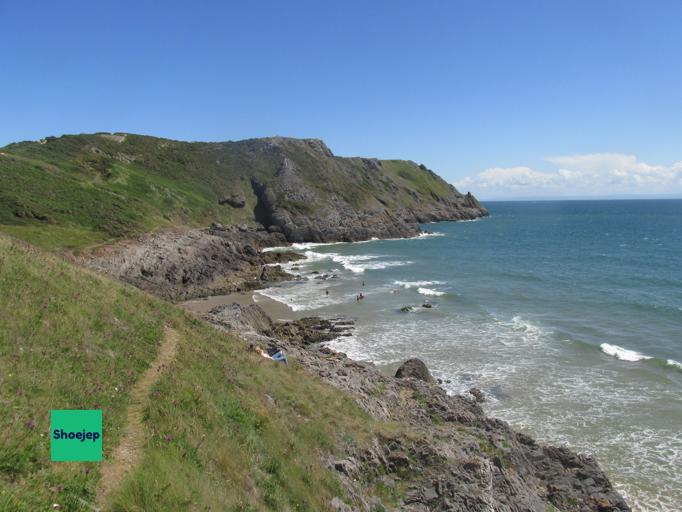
<point x="77" y="191"/>
<point x="61" y="194"/>
<point x="72" y="339"/>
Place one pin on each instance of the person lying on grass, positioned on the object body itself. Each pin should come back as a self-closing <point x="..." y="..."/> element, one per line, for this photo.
<point x="278" y="356"/>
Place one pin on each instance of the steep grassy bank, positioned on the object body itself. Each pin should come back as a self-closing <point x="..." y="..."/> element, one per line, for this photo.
<point x="225" y="429"/>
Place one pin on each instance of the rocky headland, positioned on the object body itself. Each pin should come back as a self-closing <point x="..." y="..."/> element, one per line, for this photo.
<point x="456" y="458"/>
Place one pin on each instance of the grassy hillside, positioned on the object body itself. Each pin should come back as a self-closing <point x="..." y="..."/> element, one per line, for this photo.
<point x="225" y="430"/>
<point x="82" y="190"/>
<point x="77" y="191"/>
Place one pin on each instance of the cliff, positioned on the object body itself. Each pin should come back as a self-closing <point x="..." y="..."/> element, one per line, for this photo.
<point x="77" y="191"/>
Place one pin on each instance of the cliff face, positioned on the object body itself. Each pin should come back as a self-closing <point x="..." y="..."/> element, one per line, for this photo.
<point x="314" y="196"/>
<point x="79" y="190"/>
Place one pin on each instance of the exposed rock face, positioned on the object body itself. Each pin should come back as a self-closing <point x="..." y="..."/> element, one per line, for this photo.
<point x="414" y="368"/>
<point x="316" y="197"/>
<point x="248" y="320"/>
<point x="253" y="321"/>
<point x="303" y="193"/>
<point x="180" y="266"/>
<point x="297" y="187"/>
<point x="307" y="331"/>
<point x="455" y="458"/>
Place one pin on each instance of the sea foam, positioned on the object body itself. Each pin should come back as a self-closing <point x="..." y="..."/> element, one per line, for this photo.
<point x="416" y="284"/>
<point x="429" y="291"/>
<point x="302" y="246"/>
<point x="355" y="263"/>
<point x="622" y="353"/>
<point x="672" y="362"/>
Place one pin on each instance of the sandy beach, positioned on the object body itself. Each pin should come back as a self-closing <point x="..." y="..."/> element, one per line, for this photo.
<point x="275" y="310"/>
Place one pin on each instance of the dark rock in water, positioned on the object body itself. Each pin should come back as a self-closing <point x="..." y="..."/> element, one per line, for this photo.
<point x="406" y="309"/>
<point x="427" y="305"/>
<point x="416" y="369"/>
<point x="477" y="394"/>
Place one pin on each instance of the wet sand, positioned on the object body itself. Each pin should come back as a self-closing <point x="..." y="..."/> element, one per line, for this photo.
<point x="275" y="310"/>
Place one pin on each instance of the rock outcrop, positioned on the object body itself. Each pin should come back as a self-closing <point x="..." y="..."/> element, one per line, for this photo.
<point x="316" y="197"/>
<point x="455" y="458"/>
<point x="234" y="200"/>
<point x="415" y="369"/>
<point x="195" y="263"/>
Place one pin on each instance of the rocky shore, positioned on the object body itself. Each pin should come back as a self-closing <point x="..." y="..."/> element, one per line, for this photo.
<point x="181" y="265"/>
<point x="456" y="458"/>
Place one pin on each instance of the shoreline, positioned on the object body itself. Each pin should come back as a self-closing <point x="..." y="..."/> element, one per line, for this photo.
<point x="490" y="464"/>
<point x="428" y="413"/>
<point x="277" y="311"/>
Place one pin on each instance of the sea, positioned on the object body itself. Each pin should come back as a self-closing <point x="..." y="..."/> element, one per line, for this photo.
<point x="566" y="314"/>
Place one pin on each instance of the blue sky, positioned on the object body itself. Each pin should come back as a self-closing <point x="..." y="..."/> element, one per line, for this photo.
<point x="505" y="98"/>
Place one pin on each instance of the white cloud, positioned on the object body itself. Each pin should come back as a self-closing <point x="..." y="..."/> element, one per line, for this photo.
<point x="599" y="174"/>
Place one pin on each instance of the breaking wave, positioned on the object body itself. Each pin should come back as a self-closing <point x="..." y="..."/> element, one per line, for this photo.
<point x="623" y="353"/>
<point x="416" y="284"/>
<point x="676" y="364"/>
<point x="355" y="263"/>
<point x="429" y="291"/>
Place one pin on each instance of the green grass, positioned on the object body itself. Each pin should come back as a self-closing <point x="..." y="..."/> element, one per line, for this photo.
<point x="225" y="429"/>
<point x="92" y="198"/>
<point x="417" y="177"/>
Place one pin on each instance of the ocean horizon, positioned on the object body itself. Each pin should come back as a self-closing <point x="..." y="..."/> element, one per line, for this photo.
<point x="566" y="314"/>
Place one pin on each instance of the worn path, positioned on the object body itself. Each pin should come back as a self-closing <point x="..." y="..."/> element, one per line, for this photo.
<point x="129" y="451"/>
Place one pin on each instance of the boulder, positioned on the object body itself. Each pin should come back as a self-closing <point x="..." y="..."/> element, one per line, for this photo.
<point x="477" y="394"/>
<point x="234" y="200"/>
<point x="416" y="369"/>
